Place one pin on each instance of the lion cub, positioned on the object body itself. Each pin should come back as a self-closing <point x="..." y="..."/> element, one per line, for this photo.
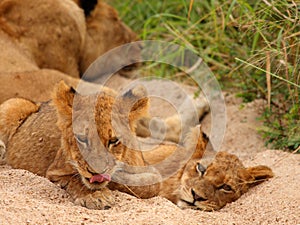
<point x="33" y="141"/>
<point x="54" y="139"/>
<point x="223" y="181"/>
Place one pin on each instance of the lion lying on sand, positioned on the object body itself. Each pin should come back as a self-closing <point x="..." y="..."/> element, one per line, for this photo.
<point x="54" y="139"/>
<point x="41" y="34"/>
<point x="45" y="41"/>
<point x="104" y="31"/>
<point x="55" y="34"/>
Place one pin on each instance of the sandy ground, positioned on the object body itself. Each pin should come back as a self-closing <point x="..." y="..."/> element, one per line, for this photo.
<point x="29" y="199"/>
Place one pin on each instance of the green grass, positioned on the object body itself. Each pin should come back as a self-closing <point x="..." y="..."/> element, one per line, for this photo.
<point x="243" y="42"/>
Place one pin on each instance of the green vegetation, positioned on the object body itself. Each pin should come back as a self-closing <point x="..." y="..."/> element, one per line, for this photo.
<point x="251" y="46"/>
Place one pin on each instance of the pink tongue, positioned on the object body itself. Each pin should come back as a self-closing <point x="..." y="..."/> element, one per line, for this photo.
<point x="100" y="178"/>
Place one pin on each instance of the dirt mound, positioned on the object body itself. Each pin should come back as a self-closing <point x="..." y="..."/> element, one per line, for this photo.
<point x="29" y="199"/>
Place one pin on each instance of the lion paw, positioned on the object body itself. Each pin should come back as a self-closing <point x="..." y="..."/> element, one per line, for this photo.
<point x="97" y="200"/>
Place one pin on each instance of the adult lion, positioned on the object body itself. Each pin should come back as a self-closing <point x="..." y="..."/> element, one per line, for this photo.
<point x="45" y="41"/>
<point x="104" y="31"/>
<point x="56" y="35"/>
<point x="41" y="34"/>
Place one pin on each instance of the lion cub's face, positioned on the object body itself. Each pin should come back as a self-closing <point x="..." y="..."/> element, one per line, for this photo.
<point x="87" y="129"/>
<point x="224" y="181"/>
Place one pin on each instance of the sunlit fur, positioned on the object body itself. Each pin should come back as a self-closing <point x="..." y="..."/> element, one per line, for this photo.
<point x="224" y="181"/>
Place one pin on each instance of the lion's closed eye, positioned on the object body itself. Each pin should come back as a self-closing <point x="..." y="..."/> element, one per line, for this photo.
<point x="226" y="188"/>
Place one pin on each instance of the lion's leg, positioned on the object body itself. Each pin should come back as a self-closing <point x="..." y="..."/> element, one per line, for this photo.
<point x="176" y="127"/>
<point x="12" y="114"/>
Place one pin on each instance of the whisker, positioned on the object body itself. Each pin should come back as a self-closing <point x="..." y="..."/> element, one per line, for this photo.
<point x="132" y="192"/>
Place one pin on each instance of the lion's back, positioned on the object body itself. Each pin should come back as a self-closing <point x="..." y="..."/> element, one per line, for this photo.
<point x="33" y="144"/>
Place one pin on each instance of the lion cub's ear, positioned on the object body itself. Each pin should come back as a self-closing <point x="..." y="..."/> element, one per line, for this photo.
<point x="260" y="174"/>
<point x="136" y="103"/>
<point x="196" y="141"/>
<point x="63" y="96"/>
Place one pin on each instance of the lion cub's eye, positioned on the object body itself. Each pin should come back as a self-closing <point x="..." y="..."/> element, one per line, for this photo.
<point x="81" y="139"/>
<point x="113" y="141"/>
<point x="226" y="188"/>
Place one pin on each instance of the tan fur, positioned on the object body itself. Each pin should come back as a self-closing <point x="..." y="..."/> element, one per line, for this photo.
<point x="13" y="57"/>
<point x="224" y="181"/>
<point x="194" y="145"/>
<point x="43" y="34"/>
<point x="20" y="85"/>
<point x="36" y="144"/>
<point x="12" y="114"/>
<point x="105" y="31"/>
<point x="52" y="151"/>
<point x="44" y="80"/>
<point x="175" y="127"/>
<point x="34" y="85"/>
<point x="51" y="39"/>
